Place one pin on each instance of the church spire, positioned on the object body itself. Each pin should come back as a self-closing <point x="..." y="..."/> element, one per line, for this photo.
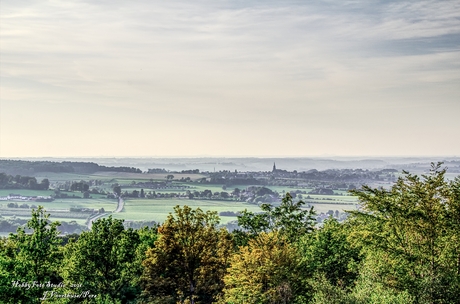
<point x="274" y="167"/>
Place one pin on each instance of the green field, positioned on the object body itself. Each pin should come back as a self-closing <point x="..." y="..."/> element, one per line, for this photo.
<point x="62" y="177"/>
<point x="158" y="209"/>
<point x="213" y="188"/>
<point x="107" y="204"/>
<point x="65" y="204"/>
<point x="331" y="199"/>
<point x="52" y="218"/>
<point x="26" y="192"/>
<point x="147" y="190"/>
<point x="59" y="209"/>
<point x="323" y="208"/>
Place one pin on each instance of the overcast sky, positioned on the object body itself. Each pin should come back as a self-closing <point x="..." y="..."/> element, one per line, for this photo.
<point x="229" y="78"/>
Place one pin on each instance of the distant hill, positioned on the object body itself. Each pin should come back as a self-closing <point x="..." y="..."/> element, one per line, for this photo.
<point x="211" y="164"/>
<point x="23" y="167"/>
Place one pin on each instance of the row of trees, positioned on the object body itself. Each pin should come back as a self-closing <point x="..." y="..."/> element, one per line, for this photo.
<point x="252" y="194"/>
<point x="402" y="247"/>
<point x="30" y="167"/>
<point x="22" y="182"/>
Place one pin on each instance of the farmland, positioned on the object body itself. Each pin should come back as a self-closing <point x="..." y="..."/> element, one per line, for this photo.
<point x="25" y="192"/>
<point x="158" y="209"/>
<point x="151" y="195"/>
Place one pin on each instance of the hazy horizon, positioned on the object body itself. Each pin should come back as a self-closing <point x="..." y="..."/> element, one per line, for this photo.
<point x="229" y="79"/>
<point x="325" y="156"/>
<point x="252" y="164"/>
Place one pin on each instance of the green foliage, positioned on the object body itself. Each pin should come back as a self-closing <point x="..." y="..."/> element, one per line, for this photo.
<point x="105" y="261"/>
<point x="117" y="190"/>
<point x="265" y="271"/>
<point x="365" y="292"/>
<point x="414" y="229"/>
<point x="369" y="289"/>
<point x="288" y="218"/>
<point x="188" y="260"/>
<point x="33" y="257"/>
<point x="22" y="182"/>
<point x="327" y="253"/>
<point x="327" y="293"/>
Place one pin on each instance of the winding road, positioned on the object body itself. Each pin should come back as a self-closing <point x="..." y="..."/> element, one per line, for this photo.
<point x="120" y="206"/>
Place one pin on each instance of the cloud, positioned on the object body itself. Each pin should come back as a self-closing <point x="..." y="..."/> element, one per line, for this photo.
<point x="206" y="64"/>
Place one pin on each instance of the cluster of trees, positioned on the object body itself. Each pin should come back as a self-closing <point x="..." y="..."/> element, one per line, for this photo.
<point x="90" y="167"/>
<point x="194" y="171"/>
<point x="157" y="170"/>
<point x="140" y="224"/>
<point x="22" y="182"/>
<point x="13" y="223"/>
<point x="162" y="170"/>
<point x="59" y="194"/>
<point x="154" y="184"/>
<point x="228" y="178"/>
<point x="402" y="247"/>
<point x="28" y="167"/>
<point x="23" y="205"/>
<point x="94" y="184"/>
<point x="255" y="194"/>
<point x="79" y="186"/>
<point x="347" y="175"/>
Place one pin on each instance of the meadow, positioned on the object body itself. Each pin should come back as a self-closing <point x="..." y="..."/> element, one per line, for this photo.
<point x="25" y="192"/>
<point x="158" y="209"/>
<point x="107" y="204"/>
<point x="324" y="208"/>
<point x="59" y="209"/>
<point x="66" y="204"/>
<point x="80" y="221"/>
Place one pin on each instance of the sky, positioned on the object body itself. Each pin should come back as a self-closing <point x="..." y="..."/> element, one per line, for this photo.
<point x="229" y="78"/>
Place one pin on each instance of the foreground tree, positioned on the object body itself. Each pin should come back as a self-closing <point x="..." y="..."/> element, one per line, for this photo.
<point x="265" y="271"/>
<point x="414" y="230"/>
<point x="105" y="262"/>
<point x="30" y="257"/>
<point x="366" y="291"/>
<point x="327" y="253"/>
<point x="188" y="260"/>
<point x="288" y="218"/>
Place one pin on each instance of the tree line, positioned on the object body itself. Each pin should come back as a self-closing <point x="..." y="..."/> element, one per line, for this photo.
<point x="30" y="167"/>
<point x="22" y="182"/>
<point x="402" y="246"/>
